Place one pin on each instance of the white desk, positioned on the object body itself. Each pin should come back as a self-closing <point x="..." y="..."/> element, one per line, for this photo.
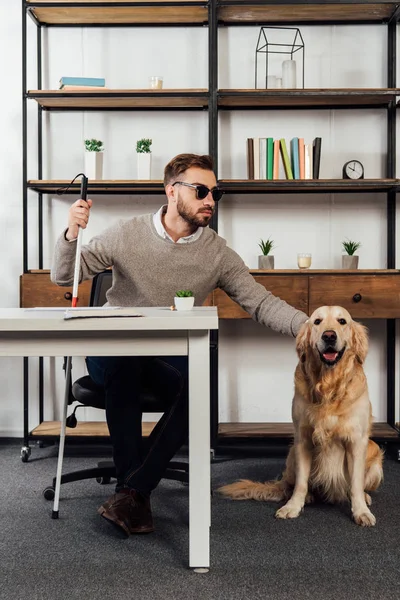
<point x="159" y="332"/>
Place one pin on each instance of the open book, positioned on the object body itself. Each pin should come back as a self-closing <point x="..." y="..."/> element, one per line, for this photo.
<point x="100" y="312"/>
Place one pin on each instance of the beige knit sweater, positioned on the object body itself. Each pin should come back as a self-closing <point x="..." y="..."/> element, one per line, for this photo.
<point x="148" y="270"/>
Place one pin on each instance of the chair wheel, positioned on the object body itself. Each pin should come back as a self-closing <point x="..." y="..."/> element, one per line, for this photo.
<point x="25" y="453"/>
<point x="103" y="480"/>
<point x="49" y="493"/>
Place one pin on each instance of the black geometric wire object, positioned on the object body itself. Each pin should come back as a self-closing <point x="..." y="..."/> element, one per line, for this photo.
<point x="289" y="41"/>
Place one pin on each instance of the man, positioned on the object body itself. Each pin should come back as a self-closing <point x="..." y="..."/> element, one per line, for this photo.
<point x="152" y="257"/>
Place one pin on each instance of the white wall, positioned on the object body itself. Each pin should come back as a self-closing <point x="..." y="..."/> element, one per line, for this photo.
<point x="256" y="365"/>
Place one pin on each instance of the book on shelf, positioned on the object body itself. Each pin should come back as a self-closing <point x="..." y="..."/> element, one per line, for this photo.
<point x="316" y="157"/>
<point x="285" y="159"/>
<point x="92" y="81"/>
<point x="275" y="173"/>
<point x="250" y="158"/>
<point x="294" y="157"/>
<point x="301" y="159"/>
<point x="82" y="88"/>
<point x="308" y="161"/>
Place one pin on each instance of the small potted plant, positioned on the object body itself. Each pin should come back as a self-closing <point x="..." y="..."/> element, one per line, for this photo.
<point x="184" y="300"/>
<point x="266" y="260"/>
<point x="94" y="152"/>
<point x="350" y="259"/>
<point x="143" y="153"/>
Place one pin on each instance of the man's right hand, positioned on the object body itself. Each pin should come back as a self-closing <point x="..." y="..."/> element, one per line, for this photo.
<point x="78" y="216"/>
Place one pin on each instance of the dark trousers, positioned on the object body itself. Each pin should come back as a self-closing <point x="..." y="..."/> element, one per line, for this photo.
<point x="140" y="464"/>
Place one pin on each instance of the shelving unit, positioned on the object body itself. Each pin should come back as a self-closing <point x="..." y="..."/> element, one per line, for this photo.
<point x="215" y="14"/>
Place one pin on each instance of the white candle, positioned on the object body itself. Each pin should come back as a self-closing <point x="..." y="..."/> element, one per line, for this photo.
<point x="271" y="81"/>
<point x="279" y="82"/>
<point x="155" y="82"/>
<point x="289" y="74"/>
<point x="304" y="261"/>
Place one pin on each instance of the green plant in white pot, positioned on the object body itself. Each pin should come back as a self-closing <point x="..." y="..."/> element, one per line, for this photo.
<point x="143" y="153"/>
<point x="184" y="300"/>
<point x="350" y="259"/>
<point x="266" y="260"/>
<point x="94" y="152"/>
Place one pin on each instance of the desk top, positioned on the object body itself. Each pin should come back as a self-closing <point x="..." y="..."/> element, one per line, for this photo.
<point x="153" y="319"/>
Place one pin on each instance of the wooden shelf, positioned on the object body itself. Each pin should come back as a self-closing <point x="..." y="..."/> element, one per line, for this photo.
<point x="320" y="186"/>
<point x="307" y="98"/>
<point x="308" y="272"/>
<point x="106" y="186"/>
<point x="115" y="12"/>
<point x="110" y="99"/>
<point x="83" y="429"/>
<point x="230" y="186"/>
<point x="227" y="431"/>
<point x="236" y="12"/>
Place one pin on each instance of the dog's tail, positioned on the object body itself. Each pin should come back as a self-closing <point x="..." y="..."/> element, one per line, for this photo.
<point x="244" y="489"/>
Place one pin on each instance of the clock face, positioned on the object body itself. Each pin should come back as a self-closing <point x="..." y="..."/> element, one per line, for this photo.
<point x="354" y="169"/>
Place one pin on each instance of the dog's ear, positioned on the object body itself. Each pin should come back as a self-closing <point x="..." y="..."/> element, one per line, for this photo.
<point x="359" y="341"/>
<point x="303" y="340"/>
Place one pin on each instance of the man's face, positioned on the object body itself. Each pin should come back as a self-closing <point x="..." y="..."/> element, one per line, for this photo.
<point x="196" y="212"/>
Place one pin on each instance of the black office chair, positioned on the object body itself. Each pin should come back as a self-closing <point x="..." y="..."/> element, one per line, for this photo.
<point x="87" y="393"/>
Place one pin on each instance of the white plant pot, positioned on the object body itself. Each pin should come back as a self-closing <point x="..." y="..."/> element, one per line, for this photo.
<point x="184" y="303"/>
<point x="94" y="165"/>
<point x="143" y="165"/>
<point x="349" y="262"/>
<point x="266" y="261"/>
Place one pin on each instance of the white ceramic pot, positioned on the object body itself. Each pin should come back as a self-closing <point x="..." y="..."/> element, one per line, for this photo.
<point x="143" y="166"/>
<point x="184" y="303"/>
<point x="266" y="262"/>
<point x="94" y="165"/>
<point x="349" y="262"/>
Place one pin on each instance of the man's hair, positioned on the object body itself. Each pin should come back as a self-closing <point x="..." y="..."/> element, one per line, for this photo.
<point x="181" y="163"/>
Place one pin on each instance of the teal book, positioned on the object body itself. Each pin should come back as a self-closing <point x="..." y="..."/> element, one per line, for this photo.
<point x="285" y="159"/>
<point x="95" y="81"/>
<point x="294" y="153"/>
<point x="270" y="158"/>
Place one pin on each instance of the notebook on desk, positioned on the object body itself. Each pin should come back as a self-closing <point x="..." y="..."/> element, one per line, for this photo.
<point x="100" y="312"/>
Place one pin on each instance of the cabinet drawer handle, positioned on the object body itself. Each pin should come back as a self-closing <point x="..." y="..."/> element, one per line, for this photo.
<point x="68" y="296"/>
<point x="357" y="297"/>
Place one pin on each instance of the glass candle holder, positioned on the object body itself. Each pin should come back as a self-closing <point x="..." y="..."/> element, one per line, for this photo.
<point x="304" y="260"/>
<point x="155" y="82"/>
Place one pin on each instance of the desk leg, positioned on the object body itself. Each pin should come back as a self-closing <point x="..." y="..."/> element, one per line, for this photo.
<point x="199" y="450"/>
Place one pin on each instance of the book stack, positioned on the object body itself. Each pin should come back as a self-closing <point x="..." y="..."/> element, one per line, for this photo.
<point x="302" y="162"/>
<point x="82" y="83"/>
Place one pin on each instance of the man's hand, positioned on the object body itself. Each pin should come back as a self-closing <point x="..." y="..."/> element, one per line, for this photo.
<point x="78" y="216"/>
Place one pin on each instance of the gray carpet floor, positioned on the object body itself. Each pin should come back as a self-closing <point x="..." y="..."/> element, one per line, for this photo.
<point x="322" y="555"/>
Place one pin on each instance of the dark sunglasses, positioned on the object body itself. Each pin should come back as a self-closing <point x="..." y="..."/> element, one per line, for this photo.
<point x="202" y="191"/>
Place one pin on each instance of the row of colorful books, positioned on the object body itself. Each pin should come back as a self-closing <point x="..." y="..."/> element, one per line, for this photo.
<point x="302" y="162"/>
<point x="82" y="83"/>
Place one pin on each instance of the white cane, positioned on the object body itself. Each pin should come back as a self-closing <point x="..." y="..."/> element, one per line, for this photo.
<point x="84" y="184"/>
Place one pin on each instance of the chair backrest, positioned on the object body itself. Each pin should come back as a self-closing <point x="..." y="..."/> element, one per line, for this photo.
<point x="100" y="284"/>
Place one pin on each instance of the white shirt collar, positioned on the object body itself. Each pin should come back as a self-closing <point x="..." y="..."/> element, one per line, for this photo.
<point x="162" y="233"/>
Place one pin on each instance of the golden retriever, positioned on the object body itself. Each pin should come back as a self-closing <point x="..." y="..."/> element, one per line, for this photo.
<point x="332" y="455"/>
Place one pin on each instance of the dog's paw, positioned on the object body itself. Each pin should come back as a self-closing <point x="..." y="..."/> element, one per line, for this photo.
<point x="368" y="499"/>
<point x="289" y="511"/>
<point x="364" y="518"/>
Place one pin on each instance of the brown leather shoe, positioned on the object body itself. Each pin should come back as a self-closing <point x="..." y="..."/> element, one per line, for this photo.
<point x="130" y="511"/>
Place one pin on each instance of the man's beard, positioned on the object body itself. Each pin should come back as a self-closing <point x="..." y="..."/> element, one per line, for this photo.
<point x="197" y="220"/>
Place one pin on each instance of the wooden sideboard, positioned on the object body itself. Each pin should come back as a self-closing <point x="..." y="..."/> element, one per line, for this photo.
<point x="365" y="294"/>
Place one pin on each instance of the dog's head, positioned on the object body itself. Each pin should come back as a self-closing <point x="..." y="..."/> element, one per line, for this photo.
<point x="329" y="334"/>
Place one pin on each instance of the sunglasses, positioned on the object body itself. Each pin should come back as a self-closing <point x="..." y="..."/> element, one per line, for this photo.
<point x="202" y="191"/>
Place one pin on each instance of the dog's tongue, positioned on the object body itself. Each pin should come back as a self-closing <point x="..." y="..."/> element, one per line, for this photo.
<point x="331" y="356"/>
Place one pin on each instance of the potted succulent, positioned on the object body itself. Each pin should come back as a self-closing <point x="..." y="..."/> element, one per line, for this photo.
<point x="184" y="300"/>
<point x="350" y="259"/>
<point x="94" y="152"/>
<point x="266" y="261"/>
<point x="143" y="153"/>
